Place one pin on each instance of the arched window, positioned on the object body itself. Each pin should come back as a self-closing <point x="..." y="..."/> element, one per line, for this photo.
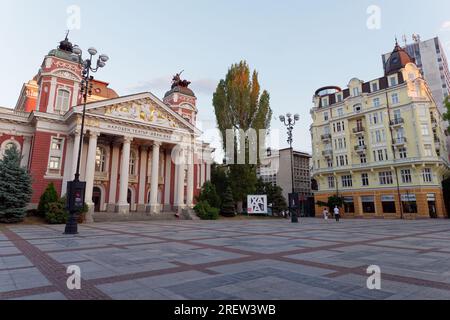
<point x="133" y="160"/>
<point x="62" y="100"/>
<point x="100" y="160"/>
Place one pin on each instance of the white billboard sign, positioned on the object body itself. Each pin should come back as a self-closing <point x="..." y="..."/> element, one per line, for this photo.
<point x="257" y="205"/>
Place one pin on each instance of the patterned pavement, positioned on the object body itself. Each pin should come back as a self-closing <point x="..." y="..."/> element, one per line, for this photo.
<point x="236" y="260"/>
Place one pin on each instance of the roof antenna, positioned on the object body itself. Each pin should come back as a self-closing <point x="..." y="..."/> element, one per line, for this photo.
<point x="405" y="40"/>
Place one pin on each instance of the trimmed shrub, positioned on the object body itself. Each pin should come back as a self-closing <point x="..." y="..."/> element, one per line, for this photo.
<point x="49" y="196"/>
<point x="57" y="213"/>
<point x="206" y="212"/>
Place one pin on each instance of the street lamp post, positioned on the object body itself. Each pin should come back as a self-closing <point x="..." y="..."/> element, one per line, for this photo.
<point x="290" y="122"/>
<point x="76" y="189"/>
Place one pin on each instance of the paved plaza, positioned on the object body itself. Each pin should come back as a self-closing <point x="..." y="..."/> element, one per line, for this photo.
<point x="238" y="260"/>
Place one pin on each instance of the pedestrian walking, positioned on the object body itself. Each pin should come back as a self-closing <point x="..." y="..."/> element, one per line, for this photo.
<point x="337" y="213"/>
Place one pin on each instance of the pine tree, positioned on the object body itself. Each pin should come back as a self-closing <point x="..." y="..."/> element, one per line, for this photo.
<point x="49" y="196"/>
<point x="228" y="208"/>
<point x="278" y="201"/>
<point x="15" y="187"/>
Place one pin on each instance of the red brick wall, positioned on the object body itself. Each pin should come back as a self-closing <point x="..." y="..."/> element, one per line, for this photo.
<point x="39" y="163"/>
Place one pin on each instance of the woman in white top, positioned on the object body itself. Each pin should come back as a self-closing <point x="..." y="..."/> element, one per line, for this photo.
<point x="325" y="214"/>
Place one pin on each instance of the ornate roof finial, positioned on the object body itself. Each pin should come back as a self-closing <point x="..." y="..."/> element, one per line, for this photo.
<point x="66" y="45"/>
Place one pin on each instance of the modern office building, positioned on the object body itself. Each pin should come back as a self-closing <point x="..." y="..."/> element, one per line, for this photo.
<point x="430" y="58"/>
<point x="380" y="144"/>
<point x="276" y="169"/>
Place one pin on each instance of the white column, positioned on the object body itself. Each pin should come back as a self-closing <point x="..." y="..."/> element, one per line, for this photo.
<point x="208" y="167"/>
<point x="26" y="149"/>
<point x="190" y="179"/>
<point x="90" y="173"/>
<point x="180" y="179"/>
<point x="76" y="147"/>
<point x="114" y="177"/>
<point x="154" y="205"/>
<point x="68" y="164"/>
<point x="52" y="95"/>
<point x="123" y="207"/>
<point x="168" y="179"/>
<point x="76" y="91"/>
<point x="142" y="179"/>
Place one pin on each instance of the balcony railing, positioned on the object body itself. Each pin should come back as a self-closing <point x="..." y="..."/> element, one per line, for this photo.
<point x="400" y="141"/>
<point x="326" y="137"/>
<point x="327" y="153"/>
<point x="397" y="122"/>
<point x="360" y="149"/>
<point x="358" y="130"/>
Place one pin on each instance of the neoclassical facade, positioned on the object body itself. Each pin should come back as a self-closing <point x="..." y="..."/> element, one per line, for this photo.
<point x="139" y="153"/>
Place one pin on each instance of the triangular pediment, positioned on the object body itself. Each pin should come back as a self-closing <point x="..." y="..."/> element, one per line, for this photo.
<point x="142" y="108"/>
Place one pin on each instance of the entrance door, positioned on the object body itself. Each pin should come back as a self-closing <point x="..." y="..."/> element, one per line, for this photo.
<point x="97" y="198"/>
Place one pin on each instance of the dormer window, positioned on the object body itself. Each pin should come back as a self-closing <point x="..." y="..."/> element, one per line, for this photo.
<point x="393" y="81"/>
<point x="62" y="100"/>
<point x="374" y="86"/>
<point x="325" y="102"/>
<point x="339" y="97"/>
<point x="355" y="92"/>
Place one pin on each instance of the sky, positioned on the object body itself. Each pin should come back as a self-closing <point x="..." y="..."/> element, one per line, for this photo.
<point x="296" y="46"/>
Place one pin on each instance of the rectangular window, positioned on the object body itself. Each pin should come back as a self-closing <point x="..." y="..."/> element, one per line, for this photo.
<point x="363" y="158"/>
<point x="406" y="176"/>
<point x="339" y="97"/>
<point x="428" y="151"/>
<point x="368" y="204"/>
<point x="427" y="175"/>
<point x="325" y="116"/>
<point x="424" y="129"/>
<point x="340" y="112"/>
<point x="393" y="81"/>
<point x="395" y="99"/>
<point x="409" y="203"/>
<point x="355" y="92"/>
<point x="380" y="155"/>
<point x="388" y="204"/>
<point x="349" y="205"/>
<point x="365" y="179"/>
<point x="54" y="163"/>
<point x="347" y="181"/>
<point x="374" y="86"/>
<point x="376" y="102"/>
<point x="402" y="153"/>
<point x="325" y="102"/>
<point x="386" y="178"/>
<point x="57" y="144"/>
<point x="331" y="182"/>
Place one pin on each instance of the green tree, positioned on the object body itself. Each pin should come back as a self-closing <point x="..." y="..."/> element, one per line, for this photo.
<point x="446" y="115"/>
<point x="274" y="194"/>
<point x="239" y="105"/>
<point x="332" y="202"/>
<point x="49" y="196"/>
<point x="219" y="178"/>
<point x="209" y="195"/>
<point x="228" y="207"/>
<point x="15" y="187"/>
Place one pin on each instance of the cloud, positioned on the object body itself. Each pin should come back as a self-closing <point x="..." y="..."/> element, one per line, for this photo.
<point x="205" y="86"/>
<point x="445" y="26"/>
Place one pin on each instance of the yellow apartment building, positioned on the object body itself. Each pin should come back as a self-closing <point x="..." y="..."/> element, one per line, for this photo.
<point x="380" y="145"/>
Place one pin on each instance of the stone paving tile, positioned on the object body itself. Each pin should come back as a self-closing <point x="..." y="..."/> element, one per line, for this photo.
<point x="46" y="296"/>
<point x="234" y="260"/>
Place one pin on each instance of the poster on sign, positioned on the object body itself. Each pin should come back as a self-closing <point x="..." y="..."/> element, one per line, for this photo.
<point x="257" y="205"/>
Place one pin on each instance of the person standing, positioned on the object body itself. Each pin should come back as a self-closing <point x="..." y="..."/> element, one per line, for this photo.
<point x="325" y="213"/>
<point x="337" y="213"/>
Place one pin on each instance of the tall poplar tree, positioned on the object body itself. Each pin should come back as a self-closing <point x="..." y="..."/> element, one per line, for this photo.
<point x="240" y="105"/>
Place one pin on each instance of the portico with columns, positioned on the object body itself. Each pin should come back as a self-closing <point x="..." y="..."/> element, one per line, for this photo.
<point x="142" y="165"/>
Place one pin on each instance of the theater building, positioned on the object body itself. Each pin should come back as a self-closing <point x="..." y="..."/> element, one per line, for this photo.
<point x="139" y="153"/>
<point x="381" y="144"/>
